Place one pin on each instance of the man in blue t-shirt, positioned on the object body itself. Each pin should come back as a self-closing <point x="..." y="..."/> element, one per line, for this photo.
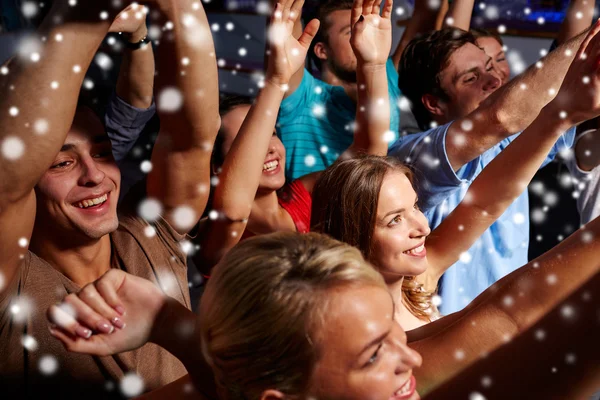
<point x="316" y="119"/>
<point x="453" y="88"/>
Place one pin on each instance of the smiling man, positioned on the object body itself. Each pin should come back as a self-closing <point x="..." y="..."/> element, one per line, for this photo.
<point x="64" y="178"/>
<point x="453" y="87"/>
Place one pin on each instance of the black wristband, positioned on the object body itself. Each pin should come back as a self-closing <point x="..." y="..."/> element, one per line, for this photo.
<point x="137" y="45"/>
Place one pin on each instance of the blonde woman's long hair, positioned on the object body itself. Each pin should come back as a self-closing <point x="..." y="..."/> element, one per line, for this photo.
<point x="263" y="303"/>
<point x="344" y="206"/>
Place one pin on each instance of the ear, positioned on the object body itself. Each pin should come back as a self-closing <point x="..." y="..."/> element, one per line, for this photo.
<point x="434" y="104"/>
<point x="320" y="51"/>
<point x="272" y="394"/>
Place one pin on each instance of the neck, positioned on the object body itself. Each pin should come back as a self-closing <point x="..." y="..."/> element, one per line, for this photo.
<point x="82" y="261"/>
<point x="330" y="78"/>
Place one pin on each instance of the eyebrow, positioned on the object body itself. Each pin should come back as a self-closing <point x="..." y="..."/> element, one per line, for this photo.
<point x="95" y="140"/>
<point x="398" y="211"/>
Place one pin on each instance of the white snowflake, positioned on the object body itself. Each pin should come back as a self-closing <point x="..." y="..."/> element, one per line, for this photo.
<point x="170" y="100"/>
<point x="150" y="209"/>
<point x="29" y="9"/>
<point x="13" y="148"/>
<point x="48" y="364"/>
<point x="184" y="217"/>
<point x="146" y="166"/>
<point x="132" y="385"/>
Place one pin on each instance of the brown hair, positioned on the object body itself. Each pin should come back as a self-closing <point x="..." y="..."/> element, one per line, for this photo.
<point x="344" y="206"/>
<point x="263" y="304"/>
<point x="479" y="33"/>
<point x="422" y="62"/>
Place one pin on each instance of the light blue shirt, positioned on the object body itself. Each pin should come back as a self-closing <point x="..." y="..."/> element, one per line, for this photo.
<point x="316" y="122"/>
<point x="503" y="247"/>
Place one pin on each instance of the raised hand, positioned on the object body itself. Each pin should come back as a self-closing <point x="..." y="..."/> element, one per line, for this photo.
<point x="287" y="54"/>
<point x="132" y="21"/>
<point x="579" y="96"/>
<point x="371" y="33"/>
<point x="114" y="314"/>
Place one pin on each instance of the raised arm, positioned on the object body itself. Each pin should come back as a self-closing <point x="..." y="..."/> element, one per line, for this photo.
<point x="555" y="358"/>
<point x="504" y="112"/>
<point x="38" y="97"/>
<point x="578" y="18"/>
<point x="371" y="41"/>
<point x="187" y="99"/>
<point x="507" y="176"/>
<point x="297" y="31"/>
<point x="509" y="307"/>
<point x="241" y="172"/>
<point x="135" y="84"/>
<point x="459" y="15"/>
<point x="131" y="108"/>
<point x="424" y="19"/>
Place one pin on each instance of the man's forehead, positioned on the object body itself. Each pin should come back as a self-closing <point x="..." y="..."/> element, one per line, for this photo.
<point x="78" y="139"/>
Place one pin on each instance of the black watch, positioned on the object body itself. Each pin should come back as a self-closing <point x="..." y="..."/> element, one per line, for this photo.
<point x="137" y="45"/>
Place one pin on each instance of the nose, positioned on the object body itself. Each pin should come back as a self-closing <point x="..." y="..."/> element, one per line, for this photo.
<point x="493" y="81"/>
<point x="272" y="146"/>
<point x="91" y="175"/>
<point x="407" y="357"/>
<point x="420" y="226"/>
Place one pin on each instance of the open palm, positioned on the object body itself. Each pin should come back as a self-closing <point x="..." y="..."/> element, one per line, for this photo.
<point x="371" y="32"/>
<point x="287" y="54"/>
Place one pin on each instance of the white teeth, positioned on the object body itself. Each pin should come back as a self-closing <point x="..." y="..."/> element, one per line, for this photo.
<point x="416" y="250"/>
<point x="270" y="166"/>
<point x="404" y="389"/>
<point x="91" y="202"/>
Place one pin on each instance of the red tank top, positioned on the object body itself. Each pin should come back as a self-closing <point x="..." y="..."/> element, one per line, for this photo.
<point x="295" y="199"/>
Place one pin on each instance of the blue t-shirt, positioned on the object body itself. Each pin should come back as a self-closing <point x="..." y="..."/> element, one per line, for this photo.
<point x="316" y="122"/>
<point x="503" y="247"/>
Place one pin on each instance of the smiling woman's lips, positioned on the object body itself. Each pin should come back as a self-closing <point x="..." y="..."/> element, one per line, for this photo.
<point x="406" y="391"/>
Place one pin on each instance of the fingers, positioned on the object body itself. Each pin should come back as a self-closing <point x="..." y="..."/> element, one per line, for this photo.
<point x="296" y="10"/>
<point x="276" y="17"/>
<point x="357" y="10"/>
<point x="376" y="9"/>
<point x="96" y="303"/>
<point x="77" y="344"/>
<point x="581" y="53"/>
<point x="310" y="30"/>
<point x="368" y="7"/>
<point x="387" y="9"/>
<point x="108" y="287"/>
<point x="63" y="318"/>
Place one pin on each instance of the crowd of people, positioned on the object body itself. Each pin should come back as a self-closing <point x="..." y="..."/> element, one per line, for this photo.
<point x="349" y="249"/>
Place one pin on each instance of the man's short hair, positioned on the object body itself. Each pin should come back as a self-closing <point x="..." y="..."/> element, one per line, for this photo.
<point x="322" y="14"/>
<point x="479" y="33"/>
<point x="422" y="61"/>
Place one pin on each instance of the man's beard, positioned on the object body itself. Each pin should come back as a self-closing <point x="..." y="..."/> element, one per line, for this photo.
<point x="341" y="72"/>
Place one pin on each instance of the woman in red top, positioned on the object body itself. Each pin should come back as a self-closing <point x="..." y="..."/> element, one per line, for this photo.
<point x="251" y="196"/>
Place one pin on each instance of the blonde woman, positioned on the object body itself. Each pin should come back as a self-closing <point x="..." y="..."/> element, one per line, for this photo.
<point x="314" y="320"/>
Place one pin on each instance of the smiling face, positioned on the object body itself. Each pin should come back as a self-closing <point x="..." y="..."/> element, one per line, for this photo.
<point x="273" y="171"/>
<point x="78" y="194"/>
<point x="398" y="241"/>
<point x="362" y="351"/>
<point x="494" y="50"/>
<point x="468" y="79"/>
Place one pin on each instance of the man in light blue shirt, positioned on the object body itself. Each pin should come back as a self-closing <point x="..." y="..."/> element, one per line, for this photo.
<point x="452" y="85"/>
<point x="316" y="119"/>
